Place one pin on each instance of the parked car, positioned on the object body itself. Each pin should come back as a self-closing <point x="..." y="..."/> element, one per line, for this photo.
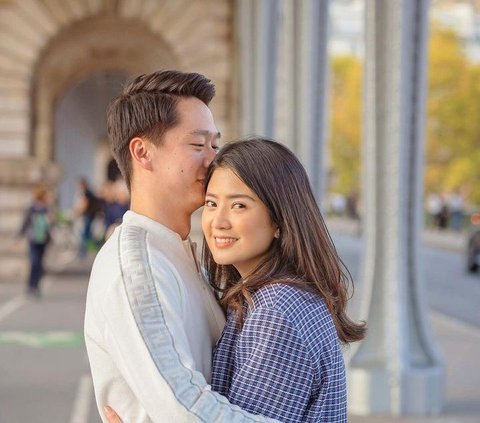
<point x="473" y="244"/>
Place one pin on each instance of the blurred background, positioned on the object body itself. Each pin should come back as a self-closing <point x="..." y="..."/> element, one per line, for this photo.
<point x="291" y="70"/>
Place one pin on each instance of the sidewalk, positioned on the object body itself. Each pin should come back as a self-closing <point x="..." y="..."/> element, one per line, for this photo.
<point x="447" y="239"/>
<point x="460" y="344"/>
<point x="458" y="341"/>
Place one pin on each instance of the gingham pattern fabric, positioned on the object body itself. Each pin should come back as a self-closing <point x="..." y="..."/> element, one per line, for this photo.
<point x="286" y="363"/>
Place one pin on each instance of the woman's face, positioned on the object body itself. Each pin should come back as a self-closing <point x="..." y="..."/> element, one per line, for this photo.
<point x="236" y="223"/>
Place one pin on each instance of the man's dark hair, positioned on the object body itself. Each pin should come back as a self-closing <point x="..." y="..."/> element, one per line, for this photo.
<point x="147" y="108"/>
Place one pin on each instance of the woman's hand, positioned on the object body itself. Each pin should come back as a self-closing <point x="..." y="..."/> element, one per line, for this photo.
<point x="111" y="415"/>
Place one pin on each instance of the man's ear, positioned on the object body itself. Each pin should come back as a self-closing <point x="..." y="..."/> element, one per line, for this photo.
<point x="140" y="152"/>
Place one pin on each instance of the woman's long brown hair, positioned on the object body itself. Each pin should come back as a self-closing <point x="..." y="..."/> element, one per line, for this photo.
<point x="303" y="255"/>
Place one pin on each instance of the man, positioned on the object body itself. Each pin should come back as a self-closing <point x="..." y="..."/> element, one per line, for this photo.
<point x="151" y="321"/>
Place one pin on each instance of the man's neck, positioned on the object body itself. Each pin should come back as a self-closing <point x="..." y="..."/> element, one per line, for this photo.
<point x="178" y="221"/>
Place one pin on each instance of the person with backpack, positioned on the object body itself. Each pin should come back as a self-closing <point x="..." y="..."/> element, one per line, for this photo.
<point x="36" y="227"/>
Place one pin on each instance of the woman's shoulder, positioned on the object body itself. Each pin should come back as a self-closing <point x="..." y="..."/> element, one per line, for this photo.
<point x="294" y="302"/>
<point x="304" y="310"/>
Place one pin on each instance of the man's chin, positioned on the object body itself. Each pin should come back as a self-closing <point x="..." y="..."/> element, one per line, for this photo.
<point x="198" y="205"/>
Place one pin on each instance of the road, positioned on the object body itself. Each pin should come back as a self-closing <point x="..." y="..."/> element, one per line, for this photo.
<point x="449" y="289"/>
<point x="44" y="373"/>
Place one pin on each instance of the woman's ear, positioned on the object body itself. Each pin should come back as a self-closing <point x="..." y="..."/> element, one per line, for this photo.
<point x="140" y="152"/>
<point x="277" y="233"/>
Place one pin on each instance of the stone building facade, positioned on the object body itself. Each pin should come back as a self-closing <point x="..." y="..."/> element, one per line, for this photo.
<point x="62" y="61"/>
<point x="60" y="64"/>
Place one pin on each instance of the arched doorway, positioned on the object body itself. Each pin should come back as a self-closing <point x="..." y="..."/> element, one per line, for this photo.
<point x="81" y="146"/>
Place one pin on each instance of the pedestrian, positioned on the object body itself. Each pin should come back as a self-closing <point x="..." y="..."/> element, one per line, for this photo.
<point x="151" y="319"/>
<point x="443" y="216"/>
<point x="433" y="207"/>
<point x="36" y="228"/>
<point x="352" y="206"/>
<point x="87" y="207"/>
<point x="456" y="205"/>
<point x="115" y="202"/>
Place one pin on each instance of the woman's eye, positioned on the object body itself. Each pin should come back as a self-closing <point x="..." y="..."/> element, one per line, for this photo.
<point x="209" y="203"/>
<point x="238" y="206"/>
<point x="198" y="145"/>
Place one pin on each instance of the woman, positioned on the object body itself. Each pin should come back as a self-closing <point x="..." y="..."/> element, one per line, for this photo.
<point x="273" y="265"/>
<point x="269" y="256"/>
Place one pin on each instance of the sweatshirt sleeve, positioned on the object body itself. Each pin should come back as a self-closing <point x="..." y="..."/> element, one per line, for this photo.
<point x="145" y="337"/>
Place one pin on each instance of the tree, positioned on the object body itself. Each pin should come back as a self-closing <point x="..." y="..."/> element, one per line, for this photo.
<point x="453" y="118"/>
<point x="452" y="149"/>
<point x="345" y="125"/>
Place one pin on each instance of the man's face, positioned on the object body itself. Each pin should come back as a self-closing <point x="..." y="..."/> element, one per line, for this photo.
<point x="181" y="160"/>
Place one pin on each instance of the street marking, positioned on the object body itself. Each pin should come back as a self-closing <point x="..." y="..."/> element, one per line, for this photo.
<point x="50" y="339"/>
<point x="81" y="406"/>
<point x="11" y="306"/>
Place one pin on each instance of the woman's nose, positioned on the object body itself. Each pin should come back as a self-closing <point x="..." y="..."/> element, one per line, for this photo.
<point x="221" y="220"/>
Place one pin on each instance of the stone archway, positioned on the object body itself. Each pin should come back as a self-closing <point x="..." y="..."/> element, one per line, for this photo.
<point x="189" y="35"/>
<point x="80" y="144"/>
<point x="89" y="47"/>
<point x="48" y="46"/>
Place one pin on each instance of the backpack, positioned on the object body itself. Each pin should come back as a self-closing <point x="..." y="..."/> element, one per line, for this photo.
<point x="40" y="229"/>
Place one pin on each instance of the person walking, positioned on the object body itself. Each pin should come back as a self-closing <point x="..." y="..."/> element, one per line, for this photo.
<point x="87" y="207"/>
<point x="36" y="227"/>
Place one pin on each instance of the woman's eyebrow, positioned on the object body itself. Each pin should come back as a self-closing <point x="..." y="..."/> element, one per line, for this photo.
<point x="231" y="196"/>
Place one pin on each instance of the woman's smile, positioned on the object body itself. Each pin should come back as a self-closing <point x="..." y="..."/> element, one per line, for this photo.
<point x="224" y="242"/>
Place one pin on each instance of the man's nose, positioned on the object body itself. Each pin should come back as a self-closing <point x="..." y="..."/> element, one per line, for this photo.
<point x="209" y="156"/>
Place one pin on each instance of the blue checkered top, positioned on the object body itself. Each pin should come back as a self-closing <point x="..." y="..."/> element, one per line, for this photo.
<point x="286" y="363"/>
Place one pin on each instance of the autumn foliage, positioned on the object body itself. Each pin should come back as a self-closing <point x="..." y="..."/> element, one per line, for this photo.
<point x="452" y="145"/>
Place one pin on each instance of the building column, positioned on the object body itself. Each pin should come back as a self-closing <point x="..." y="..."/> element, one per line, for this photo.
<point x="397" y="369"/>
<point x="310" y="89"/>
<point x="302" y="100"/>
<point x="257" y="23"/>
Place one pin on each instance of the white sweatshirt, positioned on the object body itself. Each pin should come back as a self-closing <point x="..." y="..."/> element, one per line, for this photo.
<point x="151" y="323"/>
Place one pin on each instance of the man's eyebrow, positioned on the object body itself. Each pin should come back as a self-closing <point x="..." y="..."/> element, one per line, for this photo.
<point x="206" y="133"/>
<point x="231" y="196"/>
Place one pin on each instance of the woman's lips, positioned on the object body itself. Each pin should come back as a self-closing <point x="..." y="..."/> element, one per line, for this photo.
<point x="224" y="241"/>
